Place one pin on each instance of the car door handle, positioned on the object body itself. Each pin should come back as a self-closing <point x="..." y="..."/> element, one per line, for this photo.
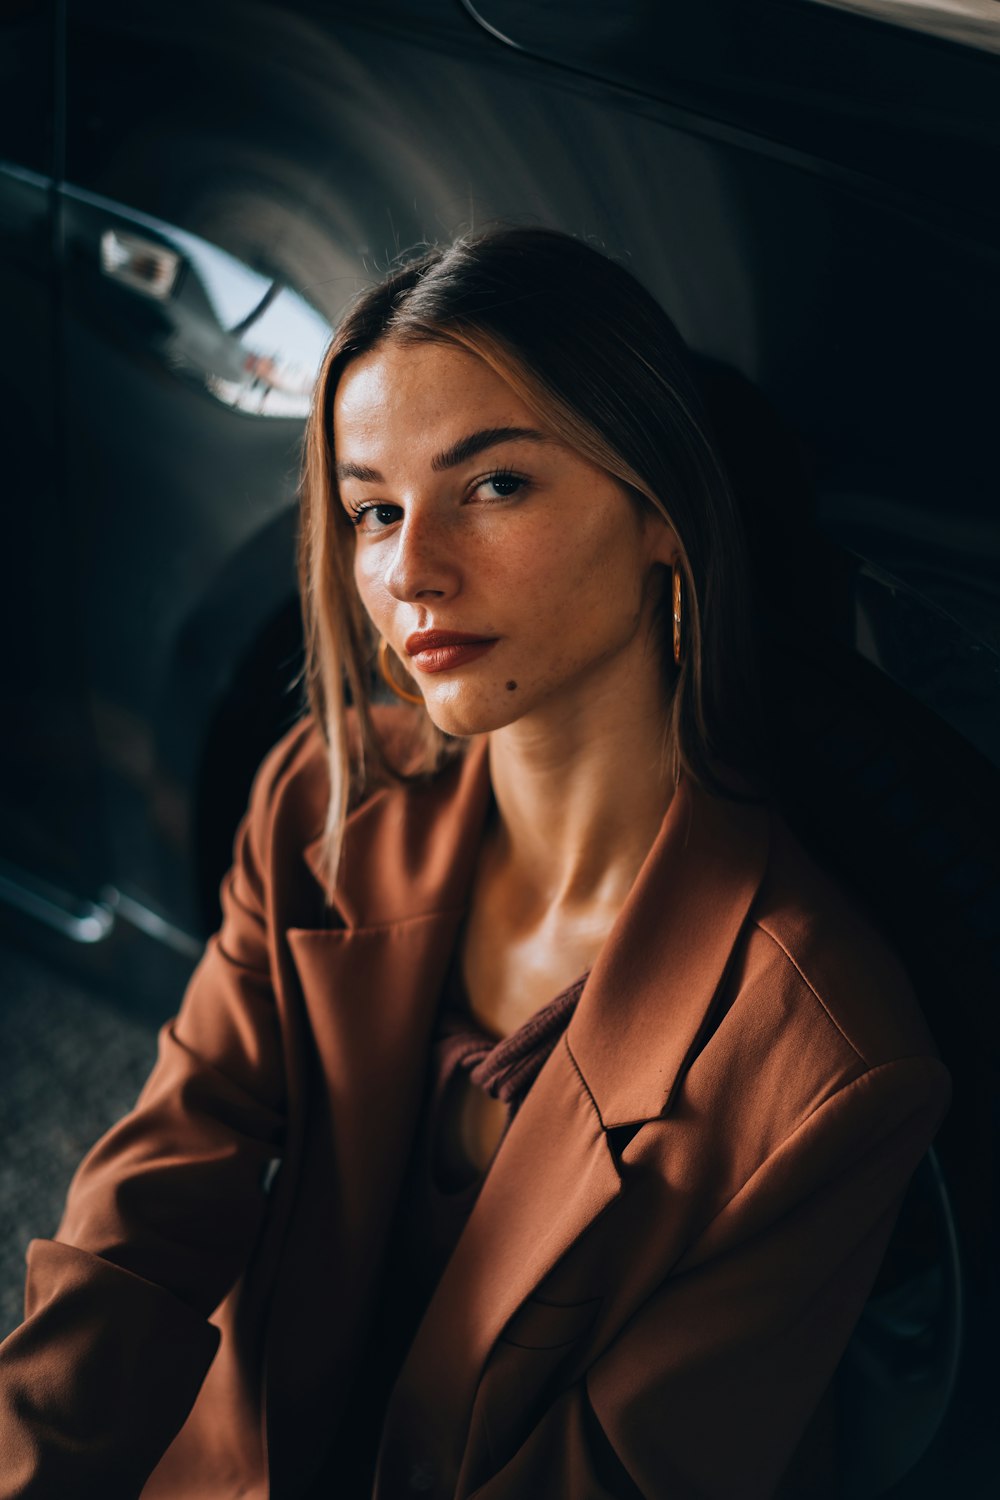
<point x="140" y="263"/>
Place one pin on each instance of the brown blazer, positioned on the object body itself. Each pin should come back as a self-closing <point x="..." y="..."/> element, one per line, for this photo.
<point x="670" y="1249"/>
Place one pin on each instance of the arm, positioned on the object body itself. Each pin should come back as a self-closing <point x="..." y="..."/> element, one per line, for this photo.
<point x="706" y="1390"/>
<point x="158" y="1224"/>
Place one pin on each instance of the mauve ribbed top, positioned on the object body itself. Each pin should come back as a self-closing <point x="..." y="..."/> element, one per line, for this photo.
<point x="431" y="1211"/>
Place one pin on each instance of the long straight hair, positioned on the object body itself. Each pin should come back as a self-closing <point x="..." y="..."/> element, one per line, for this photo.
<point x="604" y="369"/>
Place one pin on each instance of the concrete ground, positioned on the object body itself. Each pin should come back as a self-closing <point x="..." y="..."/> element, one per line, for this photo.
<point x="71" y="1064"/>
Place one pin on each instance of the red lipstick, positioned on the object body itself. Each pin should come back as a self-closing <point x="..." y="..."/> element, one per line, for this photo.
<point x="439" y="650"/>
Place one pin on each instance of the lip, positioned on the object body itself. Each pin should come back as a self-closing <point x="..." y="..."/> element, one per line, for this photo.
<point x="430" y="640"/>
<point x="440" y="650"/>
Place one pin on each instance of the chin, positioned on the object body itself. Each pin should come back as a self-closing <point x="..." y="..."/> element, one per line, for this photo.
<point x="464" y="716"/>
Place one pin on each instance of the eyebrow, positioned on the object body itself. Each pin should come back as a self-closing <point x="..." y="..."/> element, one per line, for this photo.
<point x="459" y="453"/>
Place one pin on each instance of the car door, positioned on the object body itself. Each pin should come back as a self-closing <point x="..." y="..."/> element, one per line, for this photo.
<point x="51" y="842"/>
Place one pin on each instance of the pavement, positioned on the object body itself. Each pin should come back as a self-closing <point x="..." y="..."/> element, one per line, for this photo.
<point x="71" y="1064"/>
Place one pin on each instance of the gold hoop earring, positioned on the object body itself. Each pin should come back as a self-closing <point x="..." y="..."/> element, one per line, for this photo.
<point x="678" y="617"/>
<point x="385" y="667"/>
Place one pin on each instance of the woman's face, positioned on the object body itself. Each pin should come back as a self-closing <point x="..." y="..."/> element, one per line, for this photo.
<point x="470" y="519"/>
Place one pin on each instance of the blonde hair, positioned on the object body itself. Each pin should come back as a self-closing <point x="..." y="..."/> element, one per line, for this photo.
<point x="587" y="348"/>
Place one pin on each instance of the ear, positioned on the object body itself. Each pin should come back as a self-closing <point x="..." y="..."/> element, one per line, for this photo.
<point x="662" y="544"/>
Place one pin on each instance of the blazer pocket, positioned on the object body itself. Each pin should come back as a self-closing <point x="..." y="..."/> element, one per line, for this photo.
<point x="550" y="1325"/>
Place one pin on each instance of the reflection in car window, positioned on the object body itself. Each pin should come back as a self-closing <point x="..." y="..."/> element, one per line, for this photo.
<point x="281" y="336"/>
<point x="250" y="341"/>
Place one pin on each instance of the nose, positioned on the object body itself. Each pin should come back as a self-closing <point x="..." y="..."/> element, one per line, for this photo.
<point x="423" y="563"/>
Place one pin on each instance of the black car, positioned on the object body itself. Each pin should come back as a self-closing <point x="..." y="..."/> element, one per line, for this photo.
<point x="190" y="195"/>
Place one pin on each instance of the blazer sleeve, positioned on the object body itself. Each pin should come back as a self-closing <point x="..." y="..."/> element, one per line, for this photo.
<point x="707" y="1389"/>
<point x="158" y="1224"/>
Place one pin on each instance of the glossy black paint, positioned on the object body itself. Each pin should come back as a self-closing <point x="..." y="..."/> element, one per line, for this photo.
<point x="861" y="100"/>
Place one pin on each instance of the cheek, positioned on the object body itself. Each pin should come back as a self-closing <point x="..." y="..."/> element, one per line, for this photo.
<point x="591" y="567"/>
<point x="368" y="583"/>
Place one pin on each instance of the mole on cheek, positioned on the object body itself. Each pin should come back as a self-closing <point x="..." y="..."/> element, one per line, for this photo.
<point x="512" y="686"/>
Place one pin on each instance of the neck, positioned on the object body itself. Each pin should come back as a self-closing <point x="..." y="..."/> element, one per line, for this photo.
<point x="581" y="789"/>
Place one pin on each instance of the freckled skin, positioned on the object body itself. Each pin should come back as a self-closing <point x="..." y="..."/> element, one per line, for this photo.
<point x="566" y="572"/>
<point x="560" y="571"/>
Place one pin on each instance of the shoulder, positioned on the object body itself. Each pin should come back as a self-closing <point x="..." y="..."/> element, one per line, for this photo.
<point x="816" y="1006"/>
<point x="809" y="932"/>
<point x="292" y="783"/>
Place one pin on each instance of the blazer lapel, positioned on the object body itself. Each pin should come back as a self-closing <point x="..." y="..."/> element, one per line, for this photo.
<point x="649" y="997"/>
<point x="552" y="1176"/>
<point x="371" y="979"/>
<point x="369" y="983"/>
<point x="642" y="1012"/>
<point x="411" y="850"/>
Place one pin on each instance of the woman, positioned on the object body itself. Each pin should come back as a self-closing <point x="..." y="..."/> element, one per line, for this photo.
<point x="535" y="1123"/>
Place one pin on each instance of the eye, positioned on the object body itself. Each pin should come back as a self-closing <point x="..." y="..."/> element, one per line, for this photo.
<point x="382" y="516"/>
<point x="503" y="482"/>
